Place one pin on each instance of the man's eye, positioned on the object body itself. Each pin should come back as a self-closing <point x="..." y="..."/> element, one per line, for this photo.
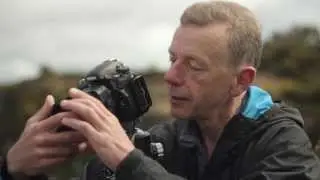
<point x="194" y="65"/>
<point x="172" y="59"/>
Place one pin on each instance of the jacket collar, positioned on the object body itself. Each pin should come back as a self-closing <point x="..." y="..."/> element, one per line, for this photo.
<point x="237" y="128"/>
<point x="256" y="103"/>
<point x="189" y="135"/>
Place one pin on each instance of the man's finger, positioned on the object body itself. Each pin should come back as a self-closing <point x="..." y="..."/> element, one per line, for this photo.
<point x="62" y="138"/>
<point x="76" y="93"/>
<point x="45" y="162"/>
<point x="100" y="112"/>
<point x="84" y="111"/>
<point x="56" y="152"/>
<point x="44" y="111"/>
<point x="81" y="126"/>
<point x="53" y="121"/>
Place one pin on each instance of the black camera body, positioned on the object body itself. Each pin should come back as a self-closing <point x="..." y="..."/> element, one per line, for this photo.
<point x="122" y="92"/>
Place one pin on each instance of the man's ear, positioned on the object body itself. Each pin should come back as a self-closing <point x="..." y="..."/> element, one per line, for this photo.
<point x="243" y="79"/>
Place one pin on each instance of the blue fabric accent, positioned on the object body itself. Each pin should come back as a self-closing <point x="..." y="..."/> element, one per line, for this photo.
<point x="258" y="102"/>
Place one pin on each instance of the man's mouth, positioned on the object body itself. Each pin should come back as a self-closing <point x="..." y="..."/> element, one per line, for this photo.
<point x="177" y="99"/>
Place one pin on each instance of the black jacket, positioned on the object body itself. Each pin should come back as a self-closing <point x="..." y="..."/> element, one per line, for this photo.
<point x="273" y="147"/>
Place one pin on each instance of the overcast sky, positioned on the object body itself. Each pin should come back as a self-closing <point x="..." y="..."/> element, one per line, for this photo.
<point x="76" y="35"/>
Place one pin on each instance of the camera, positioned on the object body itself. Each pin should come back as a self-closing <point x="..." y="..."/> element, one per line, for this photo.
<point x="121" y="91"/>
<point x="126" y="95"/>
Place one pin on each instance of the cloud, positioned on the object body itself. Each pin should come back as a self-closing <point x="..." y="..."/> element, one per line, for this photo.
<point x="76" y="35"/>
<point x="17" y="69"/>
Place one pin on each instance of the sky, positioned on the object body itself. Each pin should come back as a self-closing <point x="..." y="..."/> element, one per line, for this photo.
<point x="76" y="35"/>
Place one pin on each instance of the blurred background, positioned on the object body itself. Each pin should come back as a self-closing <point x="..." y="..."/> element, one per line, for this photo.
<point x="47" y="45"/>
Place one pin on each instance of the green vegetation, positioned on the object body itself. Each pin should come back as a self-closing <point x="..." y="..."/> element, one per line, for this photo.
<point x="294" y="57"/>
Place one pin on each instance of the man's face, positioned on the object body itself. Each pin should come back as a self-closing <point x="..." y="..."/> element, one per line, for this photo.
<point x="199" y="78"/>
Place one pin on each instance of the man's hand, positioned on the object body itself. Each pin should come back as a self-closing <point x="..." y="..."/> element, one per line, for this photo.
<point x="101" y="128"/>
<point x="39" y="146"/>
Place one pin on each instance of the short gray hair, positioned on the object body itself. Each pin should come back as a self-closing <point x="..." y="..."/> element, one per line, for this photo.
<point x="244" y="34"/>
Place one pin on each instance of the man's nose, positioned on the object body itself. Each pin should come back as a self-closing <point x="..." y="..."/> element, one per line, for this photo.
<point x="175" y="75"/>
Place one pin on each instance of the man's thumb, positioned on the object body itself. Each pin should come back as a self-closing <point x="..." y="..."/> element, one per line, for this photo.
<point x="45" y="110"/>
<point x="85" y="148"/>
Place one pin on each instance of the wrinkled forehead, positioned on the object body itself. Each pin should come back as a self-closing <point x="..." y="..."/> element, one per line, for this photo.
<point x="209" y="40"/>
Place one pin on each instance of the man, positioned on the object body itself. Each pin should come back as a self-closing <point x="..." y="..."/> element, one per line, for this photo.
<point x="225" y="127"/>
